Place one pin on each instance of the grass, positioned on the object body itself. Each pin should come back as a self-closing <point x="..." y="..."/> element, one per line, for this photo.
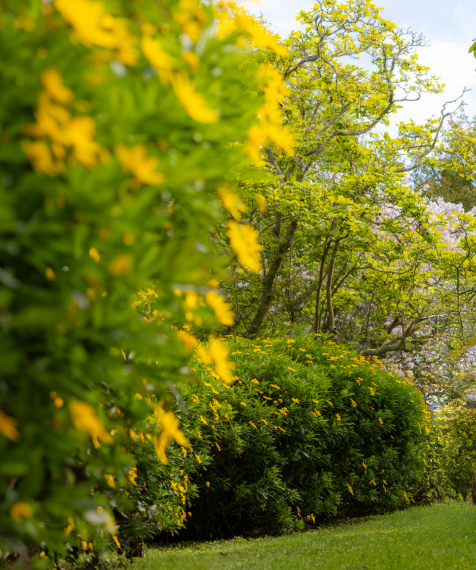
<point x="424" y="538"/>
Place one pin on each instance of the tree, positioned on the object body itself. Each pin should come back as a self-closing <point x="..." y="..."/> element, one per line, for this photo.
<point x="342" y="229"/>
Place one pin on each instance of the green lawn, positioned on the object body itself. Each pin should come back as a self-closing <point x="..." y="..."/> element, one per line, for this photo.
<point x="435" y="537"/>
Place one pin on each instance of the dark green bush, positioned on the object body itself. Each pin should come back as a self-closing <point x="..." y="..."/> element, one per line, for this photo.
<point x="309" y="431"/>
<point x="453" y="447"/>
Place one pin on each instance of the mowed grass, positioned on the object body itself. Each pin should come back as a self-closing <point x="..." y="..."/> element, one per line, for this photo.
<point x="425" y="538"/>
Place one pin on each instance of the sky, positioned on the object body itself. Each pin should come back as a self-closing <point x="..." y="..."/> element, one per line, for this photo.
<point x="449" y="27"/>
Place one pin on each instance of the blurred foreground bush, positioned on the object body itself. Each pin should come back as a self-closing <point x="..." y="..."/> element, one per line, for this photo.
<point x="121" y="125"/>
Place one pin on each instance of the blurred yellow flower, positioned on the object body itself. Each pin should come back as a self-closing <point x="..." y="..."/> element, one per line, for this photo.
<point x="169" y="432"/>
<point x="158" y="58"/>
<point x="79" y="134"/>
<point x="40" y="156"/>
<point x="52" y="81"/>
<point x="132" y="475"/>
<point x="218" y="352"/>
<point x="232" y="202"/>
<point x="261" y="201"/>
<point x="143" y="167"/>
<point x="110" y="480"/>
<point x="120" y="265"/>
<point x="85" y="418"/>
<point x="8" y="427"/>
<point x="193" y="102"/>
<point x="94" y="25"/>
<point x="222" y="309"/>
<point x="244" y="241"/>
<point x="189" y="340"/>
<point x="20" y="510"/>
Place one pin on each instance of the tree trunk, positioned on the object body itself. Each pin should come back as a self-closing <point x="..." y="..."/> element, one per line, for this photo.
<point x="268" y="281"/>
<point x="331" y="327"/>
<point x="317" y="312"/>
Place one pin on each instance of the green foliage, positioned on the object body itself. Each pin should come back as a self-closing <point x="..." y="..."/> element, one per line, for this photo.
<point x="308" y="431"/>
<point x="454" y="451"/>
<point x="108" y="177"/>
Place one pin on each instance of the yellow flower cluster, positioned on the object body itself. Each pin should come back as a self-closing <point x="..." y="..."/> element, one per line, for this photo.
<point x="233" y="18"/>
<point x="93" y="25"/>
<point x="143" y="167"/>
<point x="217" y="353"/>
<point x="270" y="117"/>
<point x="60" y="135"/>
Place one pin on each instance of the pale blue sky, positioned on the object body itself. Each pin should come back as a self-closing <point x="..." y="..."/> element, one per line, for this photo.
<point x="449" y="27"/>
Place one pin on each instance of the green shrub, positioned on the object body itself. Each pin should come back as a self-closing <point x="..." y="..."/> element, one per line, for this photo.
<point x="120" y="121"/>
<point x="453" y="454"/>
<point x="308" y="431"/>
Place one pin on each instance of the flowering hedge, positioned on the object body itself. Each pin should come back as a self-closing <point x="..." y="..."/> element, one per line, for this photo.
<point x="121" y="126"/>
<point x="308" y="431"/>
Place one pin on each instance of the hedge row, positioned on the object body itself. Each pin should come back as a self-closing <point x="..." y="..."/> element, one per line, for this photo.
<point x="308" y="431"/>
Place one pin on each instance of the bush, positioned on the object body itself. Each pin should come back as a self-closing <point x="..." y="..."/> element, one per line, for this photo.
<point x="120" y="121"/>
<point x="308" y="431"/>
<point x="454" y="451"/>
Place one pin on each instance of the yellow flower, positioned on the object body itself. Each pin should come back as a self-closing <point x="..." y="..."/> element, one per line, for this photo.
<point x="41" y="159"/>
<point x="354" y="403"/>
<point x="338" y="417"/>
<point x="221" y="307"/>
<point x="120" y="265"/>
<point x="218" y="352"/>
<point x="79" y="133"/>
<point x="170" y="432"/>
<point x="116" y="540"/>
<point x="380" y="420"/>
<point x="93" y="25"/>
<point x="52" y="81"/>
<point x="135" y="160"/>
<point x="252" y="424"/>
<point x="244" y="241"/>
<point x="71" y="526"/>
<point x="193" y="102"/>
<point x="20" y="510"/>
<point x="207" y="483"/>
<point x="110" y="480"/>
<point x="8" y="427"/>
<point x="350" y="488"/>
<point x="132" y="475"/>
<point x="197" y="457"/>
<point x="262" y="205"/>
<point x="192" y="59"/>
<point x="158" y="58"/>
<point x="84" y="418"/>
<point x="231" y="202"/>
<point x="189" y="340"/>
<point x="295" y="400"/>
